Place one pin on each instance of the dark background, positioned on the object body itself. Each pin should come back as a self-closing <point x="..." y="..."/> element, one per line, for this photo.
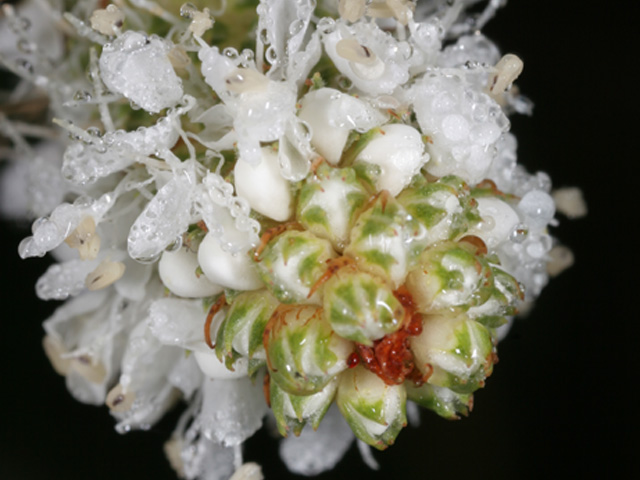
<point x="562" y="400"/>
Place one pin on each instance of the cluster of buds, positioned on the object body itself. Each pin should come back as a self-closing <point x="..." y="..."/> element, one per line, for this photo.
<point x="266" y="210"/>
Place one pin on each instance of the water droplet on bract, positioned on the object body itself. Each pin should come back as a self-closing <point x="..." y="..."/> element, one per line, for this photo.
<point x="271" y="55"/>
<point x="25" y="46"/>
<point x="82" y="96"/>
<point x="134" y="105"/>
<point x="147" y="260"/>
<point x="344" y="83"/>
<point x="175" y="245"/>
<point x="248" y="54"/>
<point x="519" y="233"/>
<point x="187" y="10"/>
<point x="83" y="201"/>
<point x="24" y="23"/>
<point x="94" y="132"/>
<point x="264" y="36"/>
<point x="25" y="66"/>
<point x="296" y="26"/>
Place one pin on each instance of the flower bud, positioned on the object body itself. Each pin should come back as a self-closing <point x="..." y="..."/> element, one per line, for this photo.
<point x="386" y="240"/>
<point x="455" y="350"/>
<point x="303" y="352"/>
<point x="399" y="151"/>
<point x="448" y="276"/>
<point x="328" y="203"/>
<point x="374" y="410"/>
<point x="443" y="401"/>
<point x="292" y="412"/>
<point x="445" y="207"/>
<point x="360" y="307"/>
<point x="292" y="263"/>
<point x="240" y="334"/>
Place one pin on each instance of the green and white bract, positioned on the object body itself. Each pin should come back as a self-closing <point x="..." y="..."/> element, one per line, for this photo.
<point x="303" y="202"/>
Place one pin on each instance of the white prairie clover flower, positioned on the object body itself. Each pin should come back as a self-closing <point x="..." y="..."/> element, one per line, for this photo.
<point x="266" y="221"/>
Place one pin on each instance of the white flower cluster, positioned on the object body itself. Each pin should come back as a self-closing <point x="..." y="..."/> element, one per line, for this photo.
<point x="181" y="153"/>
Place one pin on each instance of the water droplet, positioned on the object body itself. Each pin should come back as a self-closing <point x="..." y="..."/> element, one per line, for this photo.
<point x="230" y="52"/>
<point x="326" y="25"/>
<point x="24" y="23"/>
<point x="94" y="132"/>
<point x="25" y="46"/>
<point x="82" y="96"/>
<point x="134" y="105"/>
<point x="83" y="201"/>
<point x="175" y="245"/>
<point x="271" y="55"/>
<point x="519" y="233"/>
<point x="296" y="26"/>
<point x="264" y="36"/>
<point x="25" y="66"/>
<point x="147" y="260"/>
<point x="344" y="83"/>
<point x="187" y="10"/>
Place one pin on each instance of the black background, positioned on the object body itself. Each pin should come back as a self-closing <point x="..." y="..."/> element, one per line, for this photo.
<point x="562" y="400"/>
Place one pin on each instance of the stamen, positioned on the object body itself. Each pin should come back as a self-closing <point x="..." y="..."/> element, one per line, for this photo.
<point x="401" y="10"/>
<point x="507" y="70"/>
<point x="55" y="351"/>
<point x="352" y="10"/>
<point x="201" y="22"/>
<point x="118" y="400"/>
<point x="107" y="21"/>
<point x="85" y="239"/>
<point x="244" y="80"/>
<point x="350" y="49"/>
<point x="104" y="275"/>
<point x="91" y="370"/>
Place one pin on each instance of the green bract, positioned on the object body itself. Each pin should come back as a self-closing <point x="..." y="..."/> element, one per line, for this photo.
<point x="303" y="352"/>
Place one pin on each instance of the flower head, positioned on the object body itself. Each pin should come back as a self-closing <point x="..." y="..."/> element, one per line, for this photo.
<point x="270" y="211"/>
